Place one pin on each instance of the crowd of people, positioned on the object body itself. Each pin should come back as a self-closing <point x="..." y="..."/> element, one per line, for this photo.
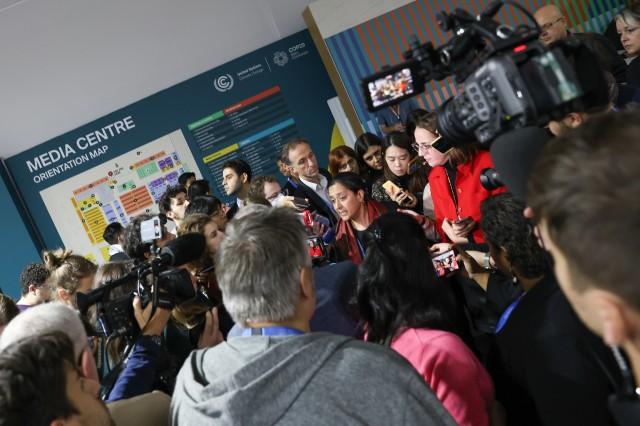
<point x="393" y="288"/>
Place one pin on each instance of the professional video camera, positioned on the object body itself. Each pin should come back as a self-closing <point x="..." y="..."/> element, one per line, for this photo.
<point x="158" y="283"/>
<point x="510" y="79"/>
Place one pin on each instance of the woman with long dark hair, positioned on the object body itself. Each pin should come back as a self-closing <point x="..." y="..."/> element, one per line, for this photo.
<point x="399" y="183"/>
<point x="403" y="305"/>
<point x="368" y="149"/>
<point x="356" y="211"/>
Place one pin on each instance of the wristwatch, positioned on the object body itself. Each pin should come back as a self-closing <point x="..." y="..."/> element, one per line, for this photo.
<point x="486" y="264"/>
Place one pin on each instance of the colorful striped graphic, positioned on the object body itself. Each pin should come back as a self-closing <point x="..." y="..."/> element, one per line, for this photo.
<point x="366" y="48"/>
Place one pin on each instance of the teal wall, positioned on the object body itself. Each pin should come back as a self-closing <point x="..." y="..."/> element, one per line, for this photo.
<point x="16" y="246"/>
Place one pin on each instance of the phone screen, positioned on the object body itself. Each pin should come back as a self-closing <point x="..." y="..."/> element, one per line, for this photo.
<point x="445" y="262"/>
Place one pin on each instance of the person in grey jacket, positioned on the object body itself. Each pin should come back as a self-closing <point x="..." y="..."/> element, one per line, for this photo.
<point x="277" y="372"/>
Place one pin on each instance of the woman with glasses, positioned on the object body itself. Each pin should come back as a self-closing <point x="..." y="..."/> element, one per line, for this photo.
<point x="403" y="175"/>
<point x="454" y="181"/>
<point x="628" y="27"/>
<point x="343" y="159"/>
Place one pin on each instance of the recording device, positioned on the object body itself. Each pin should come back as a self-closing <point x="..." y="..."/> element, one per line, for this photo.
<point x="510" y="79"/>
<point x="392" y="85"/>
<point x="158" y="282"/>
<point x="490" y="179"/>
<point x="300" y="203"/>
<point x="445" y="262"/>
<point x="317" y="249"/>
<point x="151" y="230"/>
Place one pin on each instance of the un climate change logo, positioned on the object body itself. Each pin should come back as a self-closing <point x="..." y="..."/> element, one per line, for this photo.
<point x="280" y="58"/>
<point x="223" y="83"/>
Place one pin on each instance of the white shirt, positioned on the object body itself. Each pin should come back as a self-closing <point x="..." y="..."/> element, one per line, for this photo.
<point x="320" y="189"/>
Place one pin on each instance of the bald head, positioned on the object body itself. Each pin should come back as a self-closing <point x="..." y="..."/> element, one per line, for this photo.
<point x="552" y="23"/>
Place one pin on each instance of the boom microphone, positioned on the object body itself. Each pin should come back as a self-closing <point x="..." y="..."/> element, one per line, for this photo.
<point x="184" y="249"/>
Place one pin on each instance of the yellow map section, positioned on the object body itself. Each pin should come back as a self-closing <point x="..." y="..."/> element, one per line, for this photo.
<point x="96" y="222"/>
<point x="104" y="250"/>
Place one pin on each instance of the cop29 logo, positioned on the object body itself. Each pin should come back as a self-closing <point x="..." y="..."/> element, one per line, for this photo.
<point x="280" y="58"/>
<point x="223" y="83"/>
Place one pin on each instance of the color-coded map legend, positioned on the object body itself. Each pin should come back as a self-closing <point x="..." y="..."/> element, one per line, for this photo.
<point x="254" y="129"/>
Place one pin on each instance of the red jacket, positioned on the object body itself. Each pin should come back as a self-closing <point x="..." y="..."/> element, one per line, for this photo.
<point x="468" y="189"/>
<point x="346" y="237"/>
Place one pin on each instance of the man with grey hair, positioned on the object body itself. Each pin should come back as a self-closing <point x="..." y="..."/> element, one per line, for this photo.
<point x="554" y="27"/>
<point x="277" y="372"/>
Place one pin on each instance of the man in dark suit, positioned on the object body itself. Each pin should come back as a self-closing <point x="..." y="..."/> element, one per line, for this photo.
<point x="312" y="181"/>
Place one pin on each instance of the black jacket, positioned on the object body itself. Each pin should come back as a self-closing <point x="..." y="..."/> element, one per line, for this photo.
<point x="232" y="211"/>
<point x="549" y="369"/>
<point x="299" y="189"/>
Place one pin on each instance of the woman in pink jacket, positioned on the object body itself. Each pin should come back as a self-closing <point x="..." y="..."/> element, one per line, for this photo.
<point x="402" y="304"/>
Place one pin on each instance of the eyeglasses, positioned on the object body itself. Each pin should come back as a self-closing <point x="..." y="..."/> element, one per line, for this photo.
<point x="418" y="146"/>
<point x="546" y="27"/>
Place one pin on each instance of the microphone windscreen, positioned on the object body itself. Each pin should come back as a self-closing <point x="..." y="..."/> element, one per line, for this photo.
<point x="184" y="249"/>
<point x="514" y="154"/>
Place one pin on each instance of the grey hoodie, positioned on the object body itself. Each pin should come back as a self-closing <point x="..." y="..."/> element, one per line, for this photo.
<point x="311" y="379"/>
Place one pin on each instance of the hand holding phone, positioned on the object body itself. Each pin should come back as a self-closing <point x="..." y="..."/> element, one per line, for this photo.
<point x="391" y="189"/>
<point x="445" y="263"/>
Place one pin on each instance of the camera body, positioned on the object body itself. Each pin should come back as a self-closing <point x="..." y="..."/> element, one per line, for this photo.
<point x="510" y="79"/>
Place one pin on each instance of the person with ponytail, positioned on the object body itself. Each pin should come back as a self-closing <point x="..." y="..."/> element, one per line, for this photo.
<point x="403" y="305"/>
<point x="356" y="212"/>
<point x="70" y="274"/>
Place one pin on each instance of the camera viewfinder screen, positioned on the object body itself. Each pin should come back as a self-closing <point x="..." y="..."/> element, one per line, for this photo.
<point x="391" y="87"/>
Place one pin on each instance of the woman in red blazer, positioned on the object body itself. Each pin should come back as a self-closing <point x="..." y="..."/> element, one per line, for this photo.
<point x="455" y="185"/>
<point x="348" y="196"/>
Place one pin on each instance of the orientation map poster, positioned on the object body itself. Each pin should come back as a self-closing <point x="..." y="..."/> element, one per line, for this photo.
<point x="118" y="166"/>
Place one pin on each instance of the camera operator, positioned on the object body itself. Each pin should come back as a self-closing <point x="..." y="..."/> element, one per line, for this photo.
<point x="202" y="269"/>
<point x="583" y="195"/>
<point x="137" y="249"/>
<point x="136" y="378"/>
<point x="178" y="340"/>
